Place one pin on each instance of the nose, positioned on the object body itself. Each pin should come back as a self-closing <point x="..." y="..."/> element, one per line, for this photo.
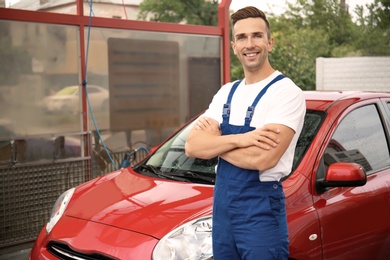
<point x="250" y="43"/>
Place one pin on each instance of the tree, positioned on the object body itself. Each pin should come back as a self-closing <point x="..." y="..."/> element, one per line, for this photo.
<point x="307" y="30"/>
<point x="198" y="12"/>
<point x="295" y="55"/>
<point x="374" y="29"/>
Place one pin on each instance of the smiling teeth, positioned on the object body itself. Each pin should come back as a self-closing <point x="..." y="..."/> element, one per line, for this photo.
<point x="250" y="54"/>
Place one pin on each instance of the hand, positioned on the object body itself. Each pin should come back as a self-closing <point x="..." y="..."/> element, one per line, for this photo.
<point x="208" y="125"/>
<point x="264" y="137"/>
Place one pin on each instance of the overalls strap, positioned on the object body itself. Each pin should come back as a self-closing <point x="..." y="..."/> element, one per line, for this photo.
<point x="247" y="224"/>
<point x="251" y="109"/>
<point x="226" y="107"/>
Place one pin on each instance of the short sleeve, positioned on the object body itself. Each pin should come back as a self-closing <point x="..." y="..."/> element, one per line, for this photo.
<point x="215" y="108"/>
<point x="289" y="107"/>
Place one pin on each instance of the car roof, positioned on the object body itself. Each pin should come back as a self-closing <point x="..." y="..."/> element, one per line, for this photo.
<point x="323" y="99"/>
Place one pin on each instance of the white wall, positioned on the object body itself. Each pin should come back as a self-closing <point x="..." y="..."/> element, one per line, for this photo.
<point x="353" y="73"/>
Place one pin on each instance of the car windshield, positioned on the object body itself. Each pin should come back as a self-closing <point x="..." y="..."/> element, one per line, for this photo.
<point x="170" y="161"/>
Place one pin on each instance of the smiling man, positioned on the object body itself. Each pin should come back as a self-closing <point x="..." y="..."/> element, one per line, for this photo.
<point x="252" y="126"/>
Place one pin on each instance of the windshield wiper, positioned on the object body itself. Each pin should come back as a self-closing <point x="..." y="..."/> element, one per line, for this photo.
<point x="208" y="178"/>
<point x="159" y="173"/>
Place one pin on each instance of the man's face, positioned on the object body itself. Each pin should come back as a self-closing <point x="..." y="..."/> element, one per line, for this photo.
<point x="251" y="44"/>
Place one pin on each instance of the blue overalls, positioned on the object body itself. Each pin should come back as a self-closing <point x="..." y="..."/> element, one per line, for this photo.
<point x="249" y="220"/>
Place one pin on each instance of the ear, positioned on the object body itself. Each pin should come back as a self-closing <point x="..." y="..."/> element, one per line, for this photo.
<point x="233" y="47"/>
<point x="270" y="44"/>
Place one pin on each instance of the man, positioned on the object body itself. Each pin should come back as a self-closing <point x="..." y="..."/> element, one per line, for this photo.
<point x="253" y="126"/>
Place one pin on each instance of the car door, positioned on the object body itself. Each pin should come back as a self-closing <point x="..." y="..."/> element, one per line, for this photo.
<point x="355" y="221"/>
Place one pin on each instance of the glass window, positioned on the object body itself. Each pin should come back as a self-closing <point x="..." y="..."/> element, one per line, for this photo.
<point x="141" y="85"/>
<point x="156" y="82"/>
<point x="172" y="156"/>
<point x="360" y="138"/>
<point x="53" y="6"/>
<point x="37" y="61"/>
<point x="313" y="121"/>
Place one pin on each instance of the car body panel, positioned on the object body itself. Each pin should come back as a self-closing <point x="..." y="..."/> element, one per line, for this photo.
<point x="338" y="223"/>
<point x="302" y="218"/>
<point x="365" y="210"/>
<point x="140" y="203"/>
<point x="90" y="237"/>
<point x="364" y="228"/>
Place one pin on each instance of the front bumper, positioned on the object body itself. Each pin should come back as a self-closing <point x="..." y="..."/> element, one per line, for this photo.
<point x="86" y="238"/>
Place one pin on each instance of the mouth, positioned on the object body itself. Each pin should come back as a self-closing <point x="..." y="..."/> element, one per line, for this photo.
<point x="251" y="54"/>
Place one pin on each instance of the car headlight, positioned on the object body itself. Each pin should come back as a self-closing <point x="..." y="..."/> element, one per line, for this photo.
<point x="190" y="241"/>
<point x="59" y="208"/>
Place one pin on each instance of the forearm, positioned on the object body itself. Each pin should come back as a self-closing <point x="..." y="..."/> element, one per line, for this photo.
<point x="201" y="144"/>
<point x="260" y="158"/>
<point x="205" y="140"/>
<point x="250" y="158"/>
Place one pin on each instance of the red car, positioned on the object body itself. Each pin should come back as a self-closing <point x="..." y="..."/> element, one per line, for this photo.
<point x="337" y="195"/>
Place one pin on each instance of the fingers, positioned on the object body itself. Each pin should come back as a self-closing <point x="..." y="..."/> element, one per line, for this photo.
<point x="208" y="125"/>
<point x="266" y="142"/>
<point x="270" y="129"/>
<point x="268" y="135"/>
<point x="263" y="146"/>
<point x="261" y="138"/>
<point x="270" y="138"/>
<point x="202" y="123"/>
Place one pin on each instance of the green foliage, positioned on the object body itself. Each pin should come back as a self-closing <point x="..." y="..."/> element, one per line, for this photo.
<point x="199" y="12"/>
<point x="310" y="29"/>
<point x="307" y="30"/>
<point x="236" y="70"/>
<point x="295" y="55"/>
<point x="374" y="29"/>
<point x="322" y="28"/>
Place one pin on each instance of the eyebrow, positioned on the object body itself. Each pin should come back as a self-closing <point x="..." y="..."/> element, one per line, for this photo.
<point x="252" y="33"/>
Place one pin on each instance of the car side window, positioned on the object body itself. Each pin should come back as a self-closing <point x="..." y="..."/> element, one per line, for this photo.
<point x="360" y="138"/>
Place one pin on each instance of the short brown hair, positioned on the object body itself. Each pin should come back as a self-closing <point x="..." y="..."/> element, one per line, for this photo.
<point x="250" y="12"/>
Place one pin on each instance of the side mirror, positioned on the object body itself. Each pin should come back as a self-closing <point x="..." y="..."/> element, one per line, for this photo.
<point x="343" y="174"/>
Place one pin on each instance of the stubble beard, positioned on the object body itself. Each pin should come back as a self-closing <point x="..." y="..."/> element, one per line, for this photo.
<point x="255" y="65"/>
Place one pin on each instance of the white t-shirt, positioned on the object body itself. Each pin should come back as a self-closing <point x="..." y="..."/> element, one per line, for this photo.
<point x="283" y="103"/>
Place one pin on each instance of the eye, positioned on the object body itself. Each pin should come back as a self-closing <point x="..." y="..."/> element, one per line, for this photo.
<point x="240" y="37"/>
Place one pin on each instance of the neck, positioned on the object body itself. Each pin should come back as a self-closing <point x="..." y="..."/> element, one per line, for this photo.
<point x="252" y="77"/>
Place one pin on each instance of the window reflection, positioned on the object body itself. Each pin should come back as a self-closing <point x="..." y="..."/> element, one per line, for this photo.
<point x="42" y="61"/>
<point x="153" y="84"/>
<point x="360" y="138"/>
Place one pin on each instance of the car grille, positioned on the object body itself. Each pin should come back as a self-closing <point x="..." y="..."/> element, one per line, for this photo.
<point x="64" y="252"/>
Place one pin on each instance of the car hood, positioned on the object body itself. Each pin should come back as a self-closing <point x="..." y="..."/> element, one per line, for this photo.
<point x="130" y="201"/>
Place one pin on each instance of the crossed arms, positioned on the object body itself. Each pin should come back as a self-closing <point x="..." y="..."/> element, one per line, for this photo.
<point x="260" y="149"/>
